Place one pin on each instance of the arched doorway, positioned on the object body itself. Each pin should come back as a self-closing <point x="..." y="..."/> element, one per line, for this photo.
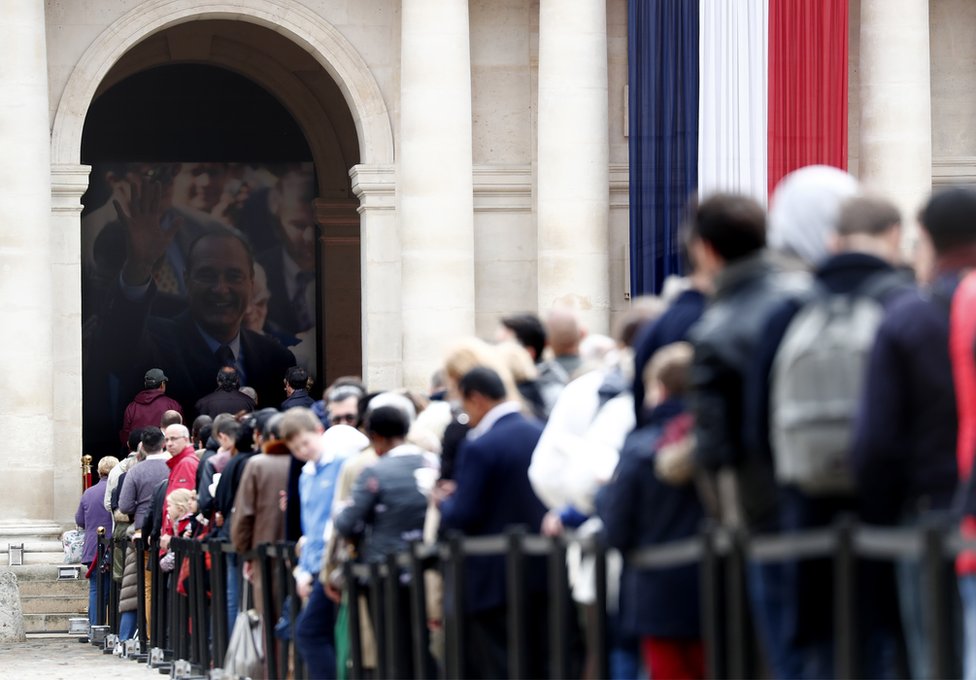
<point x="234" y="92"/>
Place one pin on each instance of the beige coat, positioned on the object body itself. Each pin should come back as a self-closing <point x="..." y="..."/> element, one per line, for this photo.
<point x="257" y="514"/>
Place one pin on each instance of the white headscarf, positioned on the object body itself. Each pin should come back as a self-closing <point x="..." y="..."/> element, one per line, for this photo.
<point x="804" y="209"/>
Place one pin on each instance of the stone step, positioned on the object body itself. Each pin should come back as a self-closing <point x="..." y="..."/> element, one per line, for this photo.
<point x="47" y="572"/>
<point x="53" y="605"/>
<point x="49" y="623"/>
<point x="51" y="587"/>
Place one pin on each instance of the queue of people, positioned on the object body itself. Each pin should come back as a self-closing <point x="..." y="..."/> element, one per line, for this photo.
<point x="800" y="373"/>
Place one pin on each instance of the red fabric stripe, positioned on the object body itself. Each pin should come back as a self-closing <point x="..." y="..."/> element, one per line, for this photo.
<point x="807" y="115"/>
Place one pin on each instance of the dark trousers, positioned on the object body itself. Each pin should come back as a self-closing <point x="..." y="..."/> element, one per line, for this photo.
<point x="315" y="634"/>
<point x="486" y="641"/>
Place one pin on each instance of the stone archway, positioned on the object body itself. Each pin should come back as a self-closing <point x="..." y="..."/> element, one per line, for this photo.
<point x="372" y="182"/>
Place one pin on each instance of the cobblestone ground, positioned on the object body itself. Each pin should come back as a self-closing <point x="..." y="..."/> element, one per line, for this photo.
<point x="63" y="658"/>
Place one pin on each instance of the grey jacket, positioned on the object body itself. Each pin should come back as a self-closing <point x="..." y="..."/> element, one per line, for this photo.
<point x="389" y="503"/>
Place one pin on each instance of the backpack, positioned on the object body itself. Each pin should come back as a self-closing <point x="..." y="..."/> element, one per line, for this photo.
<point x="816" y="382"/>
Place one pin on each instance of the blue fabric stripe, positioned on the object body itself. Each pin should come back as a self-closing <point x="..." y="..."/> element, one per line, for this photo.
<point x="663" y="66"/>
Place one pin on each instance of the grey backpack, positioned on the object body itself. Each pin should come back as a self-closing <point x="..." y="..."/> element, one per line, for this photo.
<point x="816" y="382"/>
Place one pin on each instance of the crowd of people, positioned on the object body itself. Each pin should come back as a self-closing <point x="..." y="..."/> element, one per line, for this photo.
<point x="802" y="371"/>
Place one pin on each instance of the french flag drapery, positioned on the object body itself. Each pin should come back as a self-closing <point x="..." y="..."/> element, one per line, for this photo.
<point x="726" y="95"/>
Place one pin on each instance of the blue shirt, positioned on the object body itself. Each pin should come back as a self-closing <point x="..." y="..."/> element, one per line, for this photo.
<point x="316" y="489"/>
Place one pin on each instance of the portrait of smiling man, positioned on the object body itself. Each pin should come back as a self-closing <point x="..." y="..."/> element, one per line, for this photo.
<point x="193" y="345"/>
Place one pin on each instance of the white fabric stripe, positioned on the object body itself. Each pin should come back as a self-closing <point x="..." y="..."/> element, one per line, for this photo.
<point x="733" y="58"/>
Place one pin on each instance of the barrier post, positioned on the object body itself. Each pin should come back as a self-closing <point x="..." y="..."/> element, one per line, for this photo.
<point x="113" y="589"/>
<point x="737" y="622"/>
<point x="937" y="613"/>
<point x="601" y="648"/>
<point x="515" y="578"/>
<point x="355" y="623"/>
<point x="139" y="546"/>
<point x="453" y="623"/>
<point x="558" y="610"/>
<point x="218" y="601"/>
<point x="379" y="623"/>
<point x="180" y="609"/>
<point x="845" y="608"/>
<point x="97" y="575"/>
<point x="292" y="557"/>
<point x="282" y="576"/>
<point x="267" y="603"/>
<point x="396" y="664"/>
<point x="418" y="611"/>
<point x="202" y="632"/>
<point x="709" y="575"/>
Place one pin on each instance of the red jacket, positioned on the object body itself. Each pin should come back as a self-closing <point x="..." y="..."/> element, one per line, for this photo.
<point x="962" y="338"/>
<point x="182" y="475"/>
<point x="146" y="410"/>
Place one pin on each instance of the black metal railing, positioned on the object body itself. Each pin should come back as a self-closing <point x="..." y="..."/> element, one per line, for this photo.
<point x="189" y="631"/>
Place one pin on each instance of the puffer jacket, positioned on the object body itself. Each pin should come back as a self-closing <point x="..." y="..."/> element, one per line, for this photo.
<point x="128" y="596"/>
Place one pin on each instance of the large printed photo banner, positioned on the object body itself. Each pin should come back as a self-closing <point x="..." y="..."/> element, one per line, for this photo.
<point x="191" y="266"/>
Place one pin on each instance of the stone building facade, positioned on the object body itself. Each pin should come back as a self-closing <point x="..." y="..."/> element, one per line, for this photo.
<point x="471" y="161"/>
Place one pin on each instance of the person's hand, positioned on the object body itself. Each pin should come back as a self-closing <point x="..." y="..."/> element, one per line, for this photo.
<point x="303" y="588"/>
<point x="147" y="240"/>
<point x="283" y="500"/>
<point x="443" y="490"/>
<point x="332" y="593"/>
<point x="552" y="525"/>
<point x="247" y="571"/>
<point x="164" y="541"/>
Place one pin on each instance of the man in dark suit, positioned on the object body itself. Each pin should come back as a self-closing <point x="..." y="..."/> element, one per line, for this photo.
<point x="192" y="346"/>
<point x="491" y="493"/>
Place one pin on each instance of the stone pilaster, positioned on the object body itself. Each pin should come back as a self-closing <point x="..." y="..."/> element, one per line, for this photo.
<point x="26" y="345"/>
<point x="896" y="105"/>
<point x="435" y="183"/>
<point x="573" y="163"/>
<point x="382" y="326"/>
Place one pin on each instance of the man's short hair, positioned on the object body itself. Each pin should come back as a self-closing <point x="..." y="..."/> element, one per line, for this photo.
<point x="198" y="424"/>
<point x="179" y="427"/>
<point x="152" y="440"/>
<point x="170" y="418"/>
<point x="735" y="226"/>
<point x="670" y="366"/>
<point x="528" y="330"/>
<point x="228" y="379"/>
<point x="249" y="391"/>
<point x="296" y="377"/>
<point x="227" y="233"/>
<point x="262" y="417"/>
<point x="297" y="420"/>
<point x="948" y="218"/>
<point x="134" y="438"/>
<point x="226" y="424"/>
<point x="388" y="422"/>
<point x="869" y="215"/>
<point x="343" y="392"/>
<point x="483" y="381"/>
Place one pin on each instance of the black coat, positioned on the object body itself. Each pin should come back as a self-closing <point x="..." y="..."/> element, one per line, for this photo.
<point x="639" y="510"/>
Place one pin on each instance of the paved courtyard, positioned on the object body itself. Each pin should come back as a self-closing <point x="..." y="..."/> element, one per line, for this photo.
<point x="64" y="658"/>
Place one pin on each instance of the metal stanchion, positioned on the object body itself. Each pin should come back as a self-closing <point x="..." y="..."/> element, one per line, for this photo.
<point x="396" y="664"/>
<point x="558" y="610"/>
<point x="845" y="608"/>
<point x="292" y="557"/>
<point x="97" y="575"/>
<point x="355" y="623"/>
<point x="201" y="633"/>
<point x="737" y="621"/>
<point x="937" y="614"/>
<point x="218" y="601"/>
<point x="379" y="622"/>
<point x="138" y="545"/>
<point x="515" y="577"/>
<point x="283" y="577"/>
<point x="418" y="613"/>
<point x="709" y="576"/>
<point x="454" y="628"/>
<point x="601" y="647"/>
<point x="267" y="604"/>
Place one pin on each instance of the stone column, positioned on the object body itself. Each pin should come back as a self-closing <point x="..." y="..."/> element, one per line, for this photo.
<point x="574" y="157"/>
<point x="26" y="350"/>
<point x="382" y="326"/>
<point x="435" y="183"/>
<point x="896" y="104"/>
